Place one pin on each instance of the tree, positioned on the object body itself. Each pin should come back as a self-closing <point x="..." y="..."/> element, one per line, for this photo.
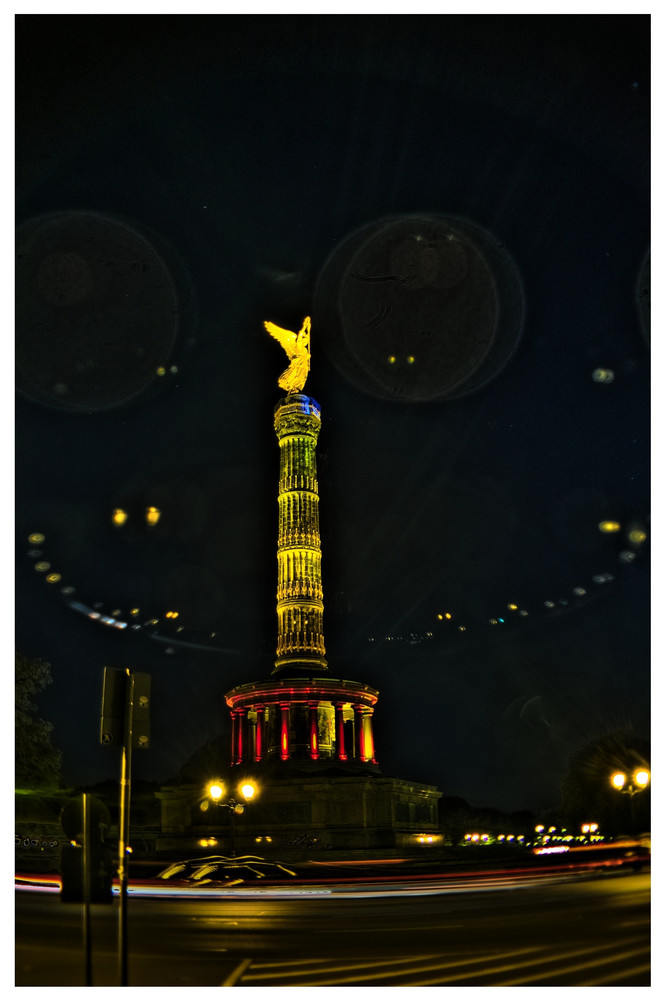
<point x="456" y="818"/>
<point x="38" y="763"/>
<point x="587" y="794"/>
<point x="209" y="761"/>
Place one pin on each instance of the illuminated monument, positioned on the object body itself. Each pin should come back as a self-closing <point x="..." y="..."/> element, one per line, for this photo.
<point x="305" y="736"/>
<point x="303" y="714"/>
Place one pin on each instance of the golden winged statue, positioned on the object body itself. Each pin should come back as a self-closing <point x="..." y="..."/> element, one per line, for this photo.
<point x="297" y="346"/>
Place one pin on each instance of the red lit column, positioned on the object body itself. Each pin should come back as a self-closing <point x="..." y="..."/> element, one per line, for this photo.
<point x="259" y="733"/>
<point x="358" y="732"/>
<point x="339" y="732"/>
<point x="314" y="735"/>
<point x="241" y="726"/>
<point x="284" y="731"/>
<point x="364" y="740"/>
<point x="234" y="738"/>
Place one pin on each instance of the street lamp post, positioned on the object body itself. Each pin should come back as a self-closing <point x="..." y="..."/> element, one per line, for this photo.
<point x="630" y="785"/>
<point x="216" y="792"/>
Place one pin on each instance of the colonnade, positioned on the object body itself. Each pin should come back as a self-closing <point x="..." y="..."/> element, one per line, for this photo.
<point x="250" y="741"/>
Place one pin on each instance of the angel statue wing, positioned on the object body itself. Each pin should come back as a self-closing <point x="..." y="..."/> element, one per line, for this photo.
<point x="297" y="347"/>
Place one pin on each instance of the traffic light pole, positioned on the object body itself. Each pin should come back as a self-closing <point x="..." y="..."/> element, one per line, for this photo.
<point x="123" y="824"/>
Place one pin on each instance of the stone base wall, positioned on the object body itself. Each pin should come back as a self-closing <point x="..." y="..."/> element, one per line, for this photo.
<point x="344" y="813"/>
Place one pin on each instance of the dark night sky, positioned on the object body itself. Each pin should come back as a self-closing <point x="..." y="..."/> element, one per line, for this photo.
<point x="215" y="165"/>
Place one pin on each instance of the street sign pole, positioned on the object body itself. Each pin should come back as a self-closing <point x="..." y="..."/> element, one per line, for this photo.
<point x="87" y="950"/>
<point x="125" y="721"/>
<point x="123" y="825"/>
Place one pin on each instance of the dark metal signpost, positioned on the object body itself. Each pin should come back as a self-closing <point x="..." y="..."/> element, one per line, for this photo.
<point x="125" y="723"/>
<point x="85" y="862"/>
<point x="85" y="806"/>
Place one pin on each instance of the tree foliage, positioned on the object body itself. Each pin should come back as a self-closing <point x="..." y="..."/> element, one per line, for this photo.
<point x="587" y="793"/>
<point x="38" y="763"/>
<point x="458" y="817"/>
<point x="211" y="760"/>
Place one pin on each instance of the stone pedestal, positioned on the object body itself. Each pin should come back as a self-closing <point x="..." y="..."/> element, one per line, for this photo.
<point x="309" y="814"/>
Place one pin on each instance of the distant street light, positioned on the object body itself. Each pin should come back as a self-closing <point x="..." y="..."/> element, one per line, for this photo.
<point x="216" y="791"/>
<point x="629" y="785"/>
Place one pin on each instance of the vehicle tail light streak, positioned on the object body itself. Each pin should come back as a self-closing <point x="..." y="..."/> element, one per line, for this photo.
<point x="348" y="886"/>
<point x="34" y="883"/>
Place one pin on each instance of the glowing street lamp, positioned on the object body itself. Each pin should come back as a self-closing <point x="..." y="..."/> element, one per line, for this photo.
<point x="629" y="785"/>
<point x="216" y="791"/>
<point x="153" y="514"/>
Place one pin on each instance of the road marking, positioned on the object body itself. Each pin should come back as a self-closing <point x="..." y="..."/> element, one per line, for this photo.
<point x="388" y="968"/>
<point x="620" y="956"/>
<point x="236" y="974"/>
<point x="535" y="976"/>
<point x="412" y="969"/>
<point x="636" y="970"/>
<point x="332" y="965"/>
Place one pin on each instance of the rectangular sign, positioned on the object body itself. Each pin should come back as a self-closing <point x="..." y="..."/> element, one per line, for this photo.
<point x="114" y="707"/>
<point x="114" y="696"/>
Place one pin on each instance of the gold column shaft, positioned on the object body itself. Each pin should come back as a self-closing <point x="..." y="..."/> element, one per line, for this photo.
<point x="300" y="604"/>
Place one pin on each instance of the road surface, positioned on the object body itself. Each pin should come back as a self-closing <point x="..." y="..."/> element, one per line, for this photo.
<point x="540" y="929"/>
